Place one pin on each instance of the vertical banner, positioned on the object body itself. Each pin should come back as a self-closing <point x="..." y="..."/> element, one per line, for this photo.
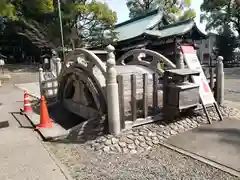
<point x="193" y="63"/>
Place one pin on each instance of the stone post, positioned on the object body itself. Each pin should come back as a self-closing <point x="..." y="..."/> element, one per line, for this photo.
<point x="220" y="81"/>
<point x="211" y="72"/>
<point x="112" y="93"/>
<point x="53" y="65"/>
<point x="179" y="59"/>
<point x="41" y="79"/>
<point x="58" y="66"/>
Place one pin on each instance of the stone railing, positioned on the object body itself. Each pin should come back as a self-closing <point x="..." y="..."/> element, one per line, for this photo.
<point x="48" y="82"/>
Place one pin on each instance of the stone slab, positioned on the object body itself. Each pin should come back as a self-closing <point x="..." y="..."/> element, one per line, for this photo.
<point x="47" y="133"/>
<point x="219" y="142"/>
<point x="4" y="124"/>
<point x="22" y="155"/>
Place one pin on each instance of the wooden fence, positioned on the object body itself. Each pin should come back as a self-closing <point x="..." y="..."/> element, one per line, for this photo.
<point x="144" y="100"/>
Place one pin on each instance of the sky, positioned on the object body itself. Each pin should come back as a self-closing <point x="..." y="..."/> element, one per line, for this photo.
<point x="122" y="11"/>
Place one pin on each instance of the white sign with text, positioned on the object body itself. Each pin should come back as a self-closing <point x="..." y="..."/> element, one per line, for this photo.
<point x="193" y="63"/>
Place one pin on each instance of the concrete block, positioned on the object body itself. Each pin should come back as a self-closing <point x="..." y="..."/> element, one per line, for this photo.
<point x="4" y="124"/>
<point x="47" y="133"/>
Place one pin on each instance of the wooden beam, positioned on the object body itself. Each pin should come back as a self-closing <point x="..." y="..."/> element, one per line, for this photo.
<point x="133" y="97"/>
<point x="121" y="100"/>
<point x="155" y="93"/>
<point x="145" y="95"/>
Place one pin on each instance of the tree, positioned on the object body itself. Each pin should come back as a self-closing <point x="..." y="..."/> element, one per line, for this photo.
<point x="181" y="8"/>
<point x="226" y="43"/>
<point x="217" y="13"/>
<point x="237" y="2"/>
<point x="38" y="20"/>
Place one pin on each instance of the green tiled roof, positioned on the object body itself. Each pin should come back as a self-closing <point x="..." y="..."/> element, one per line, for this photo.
<point x="135" y="27"/>
<point x="145" y="26"/>
<point x="179" y="28"/>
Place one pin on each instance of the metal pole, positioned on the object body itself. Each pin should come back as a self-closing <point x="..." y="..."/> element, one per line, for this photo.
<point x="210" y="64"/>
<point x="61" y="29"/>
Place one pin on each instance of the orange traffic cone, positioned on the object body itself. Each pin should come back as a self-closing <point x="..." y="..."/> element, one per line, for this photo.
<point x="27" y="105"/>
<point x="45" y="121"/>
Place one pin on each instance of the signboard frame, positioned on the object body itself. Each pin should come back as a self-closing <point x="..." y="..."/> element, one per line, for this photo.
<point x="205" y="93"/>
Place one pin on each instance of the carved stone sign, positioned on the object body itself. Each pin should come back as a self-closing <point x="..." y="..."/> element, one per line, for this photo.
<point x="82" y="60"/>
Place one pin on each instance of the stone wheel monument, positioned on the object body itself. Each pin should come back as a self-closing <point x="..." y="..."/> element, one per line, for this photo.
<point x="82" y="80"/>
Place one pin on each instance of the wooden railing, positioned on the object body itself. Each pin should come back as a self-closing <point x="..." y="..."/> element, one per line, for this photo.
<point x="144" y="105"/>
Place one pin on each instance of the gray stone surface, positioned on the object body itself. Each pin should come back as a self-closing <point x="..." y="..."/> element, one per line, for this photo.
<point x="32" y="88"/>
<point x="218" y="142"/>
<point x="232" y="88"/>
<point x="22" y="155"/>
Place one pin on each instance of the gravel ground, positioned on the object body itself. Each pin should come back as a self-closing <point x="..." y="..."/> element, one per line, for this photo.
<point x="156" y="163"/>
<point x="159" y="163"/>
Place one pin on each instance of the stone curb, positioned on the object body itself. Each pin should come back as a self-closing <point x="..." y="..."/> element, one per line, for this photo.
<point x="46" y="133"/>
<point x="62" y="167"/>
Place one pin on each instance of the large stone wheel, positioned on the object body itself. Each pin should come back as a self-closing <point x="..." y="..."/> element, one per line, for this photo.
<point x="79" y="88"/>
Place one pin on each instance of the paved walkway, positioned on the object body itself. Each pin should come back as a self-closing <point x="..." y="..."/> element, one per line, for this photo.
<point x="22" y="154"/>
<point x="219" y="142"/>
<point x="32" y="88"/>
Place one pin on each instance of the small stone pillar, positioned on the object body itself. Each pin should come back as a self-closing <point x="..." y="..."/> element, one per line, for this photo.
<point x="112" y="93"/>
<point x="179" y="59"/>
<point x="2" y="63"/>
<point x="220" y="81"/>
<point x="211" y="72"/>
<point x="41" y="79"/>
<point x="57" y="70"/>
<point x="58" y="66"/>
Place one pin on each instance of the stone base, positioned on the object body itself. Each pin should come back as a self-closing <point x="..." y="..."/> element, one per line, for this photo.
<point x="145" y="137"/>
<point x="52" y="133"/>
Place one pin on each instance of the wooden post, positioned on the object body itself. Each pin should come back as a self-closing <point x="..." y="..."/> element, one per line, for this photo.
<point x="121" y="100"/>
<point x="211" y="72"/>
<point x="155" y="93"/>
<point x="145" y="95"/>
<point x="112" y="93"/>
<point x="220" y="81"/>
<point x="133" y="97"/>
